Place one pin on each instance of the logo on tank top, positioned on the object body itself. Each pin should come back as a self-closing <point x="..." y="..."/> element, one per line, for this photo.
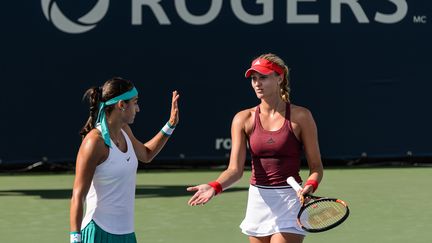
<point x="128" y="159"/>
<point x="270" y="141"/>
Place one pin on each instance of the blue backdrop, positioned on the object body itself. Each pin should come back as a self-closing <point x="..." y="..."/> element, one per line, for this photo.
<point x="362" y="67"/>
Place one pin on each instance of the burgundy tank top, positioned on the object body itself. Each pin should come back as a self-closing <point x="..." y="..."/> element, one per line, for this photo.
<point x="275" y="154"/>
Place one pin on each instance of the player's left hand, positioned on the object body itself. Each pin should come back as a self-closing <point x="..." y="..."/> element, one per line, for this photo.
<point x="174" y="117"/>
<point x="302" y="194"/>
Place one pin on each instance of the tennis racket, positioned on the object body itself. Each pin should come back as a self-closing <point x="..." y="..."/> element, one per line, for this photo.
<point x="320" y="213"/>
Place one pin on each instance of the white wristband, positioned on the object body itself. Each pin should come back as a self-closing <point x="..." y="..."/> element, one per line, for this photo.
<point x="168" y="129"/>
<point x="75" y="237"/>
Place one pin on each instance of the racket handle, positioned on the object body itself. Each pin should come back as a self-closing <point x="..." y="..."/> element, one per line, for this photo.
<point x="293" y="183"/>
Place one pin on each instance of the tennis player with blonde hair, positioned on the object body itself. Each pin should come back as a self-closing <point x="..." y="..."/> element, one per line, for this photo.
<point x="278" y="133"/>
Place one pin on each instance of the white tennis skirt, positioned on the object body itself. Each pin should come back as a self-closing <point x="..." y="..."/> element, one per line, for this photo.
<point x="271" y="210"/>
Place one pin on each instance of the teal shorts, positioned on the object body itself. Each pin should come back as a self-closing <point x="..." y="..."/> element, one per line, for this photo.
<point x="92" y="233"/>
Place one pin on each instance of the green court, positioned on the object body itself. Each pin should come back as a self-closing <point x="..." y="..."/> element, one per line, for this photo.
<point x="388" y="205"/>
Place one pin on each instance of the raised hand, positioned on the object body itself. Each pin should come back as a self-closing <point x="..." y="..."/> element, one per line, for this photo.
<point x="174" y="117"/>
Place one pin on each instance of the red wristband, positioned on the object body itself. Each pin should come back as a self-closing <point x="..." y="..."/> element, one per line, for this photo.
<point x="313" y="183"/>
<point x="216" y="186"/>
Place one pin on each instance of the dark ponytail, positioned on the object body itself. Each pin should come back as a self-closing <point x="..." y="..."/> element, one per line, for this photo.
<point x="95" y="95"/>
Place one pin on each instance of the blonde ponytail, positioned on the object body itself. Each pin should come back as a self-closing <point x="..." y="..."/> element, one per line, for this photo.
<point x="284" y="86"/>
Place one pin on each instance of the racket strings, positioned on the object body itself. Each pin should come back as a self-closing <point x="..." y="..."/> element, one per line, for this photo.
<point x="322" y="214"/>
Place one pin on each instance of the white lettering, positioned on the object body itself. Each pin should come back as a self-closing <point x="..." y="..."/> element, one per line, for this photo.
<point x="336" y="10"/>
<point x="215" y="8"/>
<point x="420" y="19"/>
<point x="294" y="17"/>
<point x="219" y="141"/>
<point x="227" y="144"/>
<point x="223" y="143"/>
<point x="265" y="17"/>
<point x="401" y="11"/>
<point x="156" y="8"/>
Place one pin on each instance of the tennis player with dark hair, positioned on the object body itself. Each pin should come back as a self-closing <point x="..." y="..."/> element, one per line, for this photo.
<point x="107" y="163"/>
<point x="278" y="133"/>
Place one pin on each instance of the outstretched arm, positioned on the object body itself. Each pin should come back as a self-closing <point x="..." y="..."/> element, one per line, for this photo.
<point x="205" y="192"/>
<point x="147" y="151"/>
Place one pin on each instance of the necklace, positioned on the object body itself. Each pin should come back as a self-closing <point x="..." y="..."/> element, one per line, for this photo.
<point x="116" y="141"/>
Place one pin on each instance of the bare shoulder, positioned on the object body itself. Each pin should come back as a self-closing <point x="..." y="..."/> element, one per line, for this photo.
<point x="244" y="114"/>
<point x="94" y="137"/>
<point x="93" y="145"/>
<point x="244" y="119"/>
<point x="300" y="114"/>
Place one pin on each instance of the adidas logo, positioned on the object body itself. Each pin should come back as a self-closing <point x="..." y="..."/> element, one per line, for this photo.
<point x="270" y="141"/>
<point x="257" y="63"/>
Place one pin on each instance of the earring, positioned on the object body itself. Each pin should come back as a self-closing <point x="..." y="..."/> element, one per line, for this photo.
<point x="123" y="109"/>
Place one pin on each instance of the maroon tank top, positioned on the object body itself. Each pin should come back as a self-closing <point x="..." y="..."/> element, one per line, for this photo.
<point x="275" y="154"/>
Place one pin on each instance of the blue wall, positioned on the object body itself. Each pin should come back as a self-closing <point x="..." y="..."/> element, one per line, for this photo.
<point x="366" y="82"/>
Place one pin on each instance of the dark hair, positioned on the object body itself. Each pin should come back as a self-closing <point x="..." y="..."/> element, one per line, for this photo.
<point x="95" y="95"/>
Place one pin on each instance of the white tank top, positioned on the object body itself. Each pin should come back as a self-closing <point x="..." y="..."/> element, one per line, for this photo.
<point x="110" y="201"/>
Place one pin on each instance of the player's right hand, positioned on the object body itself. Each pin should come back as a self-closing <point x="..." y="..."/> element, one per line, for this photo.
<point x="203" y="194"/>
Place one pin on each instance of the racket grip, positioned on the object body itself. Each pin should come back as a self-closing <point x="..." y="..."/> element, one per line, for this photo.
<point x="293" y="183"/>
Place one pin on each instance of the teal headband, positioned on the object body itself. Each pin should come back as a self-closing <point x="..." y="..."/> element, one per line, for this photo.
<point x="101" y="115"/>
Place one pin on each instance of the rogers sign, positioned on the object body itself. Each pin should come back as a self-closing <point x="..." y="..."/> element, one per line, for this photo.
<point x="398" y="11"/>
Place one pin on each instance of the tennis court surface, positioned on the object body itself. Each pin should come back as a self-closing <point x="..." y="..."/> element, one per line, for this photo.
<point x="388" y="205"/>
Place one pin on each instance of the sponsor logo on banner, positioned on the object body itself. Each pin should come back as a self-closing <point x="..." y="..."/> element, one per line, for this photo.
<point x="395" y="12"/>
<point x="223" y="143"/>
<point x="87" y="22"/>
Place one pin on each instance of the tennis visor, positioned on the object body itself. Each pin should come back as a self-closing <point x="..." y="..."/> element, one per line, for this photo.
<point x="264" y="66"/>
